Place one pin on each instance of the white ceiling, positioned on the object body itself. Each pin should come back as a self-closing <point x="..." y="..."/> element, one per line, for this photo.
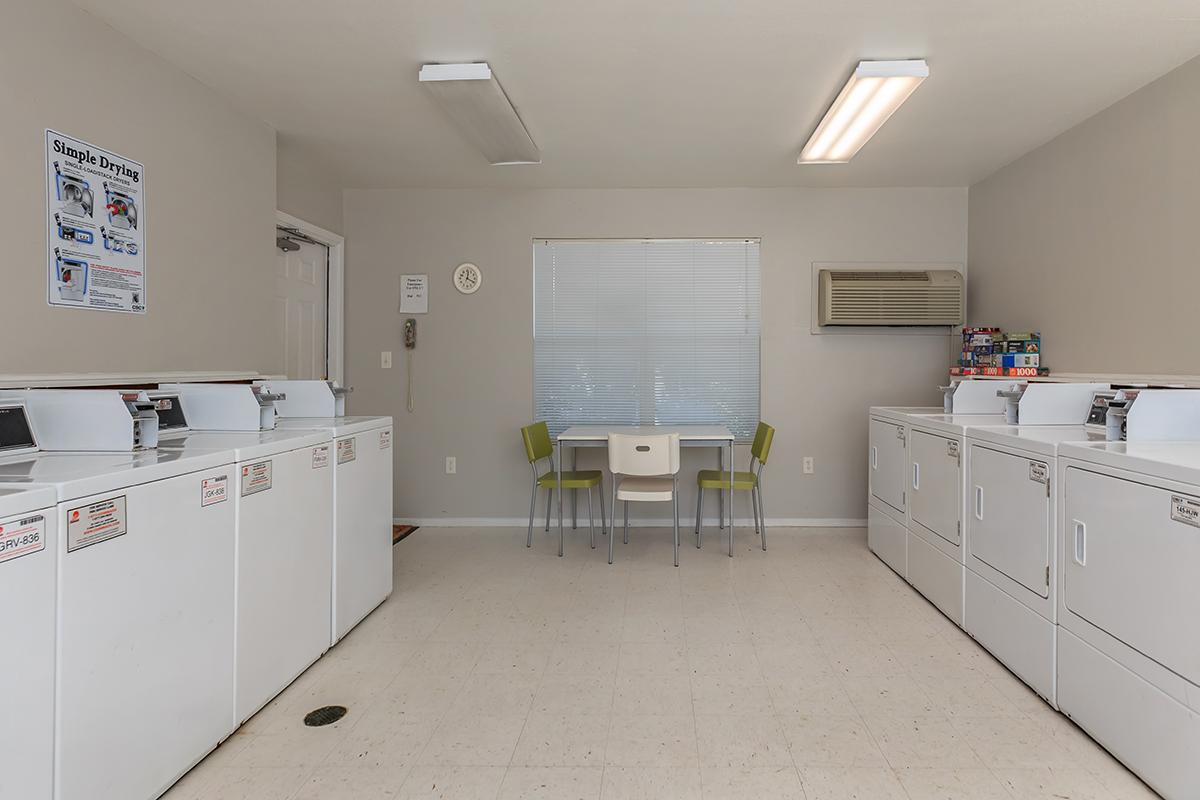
<point x="677" y="93"/>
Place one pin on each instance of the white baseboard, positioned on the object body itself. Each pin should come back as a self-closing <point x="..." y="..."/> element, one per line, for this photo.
<point x="688" y="523"/>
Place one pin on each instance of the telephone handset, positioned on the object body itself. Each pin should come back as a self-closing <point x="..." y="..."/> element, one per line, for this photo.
<point x="410" y="344"/>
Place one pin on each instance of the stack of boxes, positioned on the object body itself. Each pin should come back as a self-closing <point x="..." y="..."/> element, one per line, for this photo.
<point x="990" y="351"/>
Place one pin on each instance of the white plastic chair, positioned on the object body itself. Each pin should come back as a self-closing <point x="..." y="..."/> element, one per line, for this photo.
<point x="645" y="470"/>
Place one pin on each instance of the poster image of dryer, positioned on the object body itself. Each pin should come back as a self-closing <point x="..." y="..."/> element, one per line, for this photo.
<point x="79" y="233"/>
<point x="71" y="275"/>
<point x="73" y="192"/>
<point x="122" y="210"/>
<point x="115" y="243"/>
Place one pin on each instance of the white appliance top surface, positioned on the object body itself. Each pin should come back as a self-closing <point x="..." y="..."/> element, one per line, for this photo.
<point x="340" y="426"/>
<point x="1177" y="461"/>
<point x="895" y="412"/>
<point x="247" y="445"/>
<point x="1043" y="439"/>
<point x="20" y="499"/>
<point x="955" y="424"/>
<point x="79" y="474"/>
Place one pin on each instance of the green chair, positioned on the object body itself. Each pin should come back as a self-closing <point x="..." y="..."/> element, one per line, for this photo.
<point x="742" y="481"/>
<point x="538" y="447"/>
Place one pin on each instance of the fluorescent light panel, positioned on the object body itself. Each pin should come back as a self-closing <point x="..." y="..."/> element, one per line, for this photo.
<point x="474" y="99"/>
<point x="869" y="98"/>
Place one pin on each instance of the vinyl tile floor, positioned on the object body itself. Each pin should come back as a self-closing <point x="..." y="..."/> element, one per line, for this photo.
<point x="807" y="671"/>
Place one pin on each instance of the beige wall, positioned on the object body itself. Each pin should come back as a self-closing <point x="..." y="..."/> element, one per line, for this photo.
<point x="210" y="195"/>
<point x="305" y="189"/>
<point x="473" y="364"/>
<point x="1094" y="238"/>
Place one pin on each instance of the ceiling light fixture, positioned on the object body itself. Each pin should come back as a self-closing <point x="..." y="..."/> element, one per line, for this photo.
<point x="873" y="93"/>
<point x="474" y="99"/>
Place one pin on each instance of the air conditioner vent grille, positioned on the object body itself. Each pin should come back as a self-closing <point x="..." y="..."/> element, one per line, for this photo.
<point x="858" y="297"/>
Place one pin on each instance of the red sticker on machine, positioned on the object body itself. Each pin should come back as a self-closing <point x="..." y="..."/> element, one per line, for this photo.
<point x="256" y="478"/>
<point x="95" y="523"/>
<point x="21" y="537"/>
<point x="214" y="490"/>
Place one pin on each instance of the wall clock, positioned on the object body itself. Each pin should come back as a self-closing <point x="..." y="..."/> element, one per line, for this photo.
<point x="467" y="278"/>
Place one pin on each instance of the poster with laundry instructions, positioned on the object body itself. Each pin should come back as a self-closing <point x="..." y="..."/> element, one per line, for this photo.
<point x="95" y="227"/>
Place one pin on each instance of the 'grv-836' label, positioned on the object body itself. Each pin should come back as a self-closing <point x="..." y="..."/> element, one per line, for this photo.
<point x="20" y="537"/>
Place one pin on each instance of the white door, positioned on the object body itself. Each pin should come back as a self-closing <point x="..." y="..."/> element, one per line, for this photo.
<point x="1008" y="527"/>
<point x="301" y="300"/>
<point x="936" y="485"/>
<point x="887" y="463"/>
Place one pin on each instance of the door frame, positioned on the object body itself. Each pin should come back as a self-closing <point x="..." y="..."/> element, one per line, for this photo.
<point x="335" y="316"/>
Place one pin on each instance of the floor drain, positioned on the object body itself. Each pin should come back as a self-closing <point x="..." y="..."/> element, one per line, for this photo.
<point x="324" y="716"/>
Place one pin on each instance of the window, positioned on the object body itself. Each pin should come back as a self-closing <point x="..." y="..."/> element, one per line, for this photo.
<point x="643" y="332"/>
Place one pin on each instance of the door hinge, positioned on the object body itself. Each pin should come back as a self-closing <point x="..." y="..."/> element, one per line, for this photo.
<point x="1047" y="487"/>
<point x="903" y="498"/>
<point x="959" y="527"/>
<point x="1047" y="574"/>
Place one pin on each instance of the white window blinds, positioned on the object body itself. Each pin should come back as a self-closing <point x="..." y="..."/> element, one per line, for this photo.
<point x="647" y="332"/>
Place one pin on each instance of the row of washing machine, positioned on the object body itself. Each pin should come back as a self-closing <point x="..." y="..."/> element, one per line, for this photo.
<point x="170" y="560"/>
<point x="1059" y="526"/>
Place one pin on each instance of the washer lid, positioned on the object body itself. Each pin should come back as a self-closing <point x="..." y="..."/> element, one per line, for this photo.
<point x="245" y="446"/>
<point x="339" y="426"/>
<point x="21" y="499"/>
<point x="79" y="474"/>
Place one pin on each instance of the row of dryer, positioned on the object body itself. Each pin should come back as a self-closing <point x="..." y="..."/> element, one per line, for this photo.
<point x="1059" y="525"/>
<point x="170" y="560"/>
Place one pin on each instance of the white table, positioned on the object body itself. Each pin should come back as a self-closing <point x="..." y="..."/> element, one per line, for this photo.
<point x="717" y="436"/>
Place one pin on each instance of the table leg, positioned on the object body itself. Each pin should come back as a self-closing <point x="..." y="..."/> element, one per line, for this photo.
<point x="558" y="466"/>
<point x="720" y="496"/>
<point x="731" y="499"/>
<point x="575" y="492"/>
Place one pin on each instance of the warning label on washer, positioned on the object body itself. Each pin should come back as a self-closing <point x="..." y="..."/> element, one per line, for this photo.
<point x="20" y="537"/>
<point x="95" y="523"/>
<point x="385" y="440"/>
<point x="345" y="450"/>
<point x="214" y="490"/>
<point x="320" y="457"/>
<point x="256" y="478"/>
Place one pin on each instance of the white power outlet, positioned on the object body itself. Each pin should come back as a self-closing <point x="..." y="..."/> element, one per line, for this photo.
<point x="809" y="466"/>
<point x="451" y="465"/>
<point x="385" y="359"/>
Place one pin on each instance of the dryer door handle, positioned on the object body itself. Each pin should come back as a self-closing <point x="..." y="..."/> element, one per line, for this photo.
<point x="916" y="476"/>
<point x="874" y="457"/>
<point x="979" y="503"/>
<point x="1080" y="550"/>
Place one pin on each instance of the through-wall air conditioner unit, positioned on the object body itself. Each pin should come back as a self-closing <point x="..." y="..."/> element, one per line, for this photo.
<point x="911" y="297"/>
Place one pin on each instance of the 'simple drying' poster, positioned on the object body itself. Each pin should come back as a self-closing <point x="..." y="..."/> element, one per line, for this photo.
<point x="96" y="227"/>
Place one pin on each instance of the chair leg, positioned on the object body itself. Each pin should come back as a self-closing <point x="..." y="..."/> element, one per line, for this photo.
<point x="675" y="504"/>
<point x="612" y="534"/>
<point x="762" y="514"/>
<point x="754" y="510"/>
<point x="699" y="515"/>
<point x="561" y="534"/>
<point x="532" y="503"/>
<point x="626" y="522"/>
<point x="603" y="520"/>
<point x="549" y="501"/>
<point x="591" y="521"/>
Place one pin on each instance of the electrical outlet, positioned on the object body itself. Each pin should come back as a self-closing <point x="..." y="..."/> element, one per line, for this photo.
<point x="385" y="359"/>
<point x="809" y="467"/>
<point x="451" y="465"/>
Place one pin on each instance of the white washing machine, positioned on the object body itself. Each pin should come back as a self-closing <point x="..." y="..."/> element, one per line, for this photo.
<point x="1129" y="598"/>
<point x="362" y="501"/>
<point x="283" y="500"/>
<point x="28" y="543"/>
<point x="144" y="617"/>
<point x="1010" y="595"/>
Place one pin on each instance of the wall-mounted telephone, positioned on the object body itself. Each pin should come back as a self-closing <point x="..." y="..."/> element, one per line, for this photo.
<point x="410" y="344"/>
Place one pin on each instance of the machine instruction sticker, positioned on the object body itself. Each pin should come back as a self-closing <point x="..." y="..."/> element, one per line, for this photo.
<point x="345" y="450"/>
<point x="20" y="537"/>
<point x="1038" y="472"/>
<point x="952" y="449"/>
<point x="95" y="227"/>
<point x="1185" y="510"/>
<point x="214" y="490"/>
<point x="385" y="440"/>
<point x="256" y="478"/>
<point x="320" y="456"/>
<point x="95" y="523"/>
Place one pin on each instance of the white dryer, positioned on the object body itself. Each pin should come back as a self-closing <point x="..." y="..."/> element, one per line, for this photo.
<point x="28" y="544"/>
<point x="887" y="461"/>
<point x="362" y="513"/>
<point x="283" y="500"/>
<point x="1128" y="600"/>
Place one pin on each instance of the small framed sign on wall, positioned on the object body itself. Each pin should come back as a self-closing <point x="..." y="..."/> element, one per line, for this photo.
<point x="414" y="294"/>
